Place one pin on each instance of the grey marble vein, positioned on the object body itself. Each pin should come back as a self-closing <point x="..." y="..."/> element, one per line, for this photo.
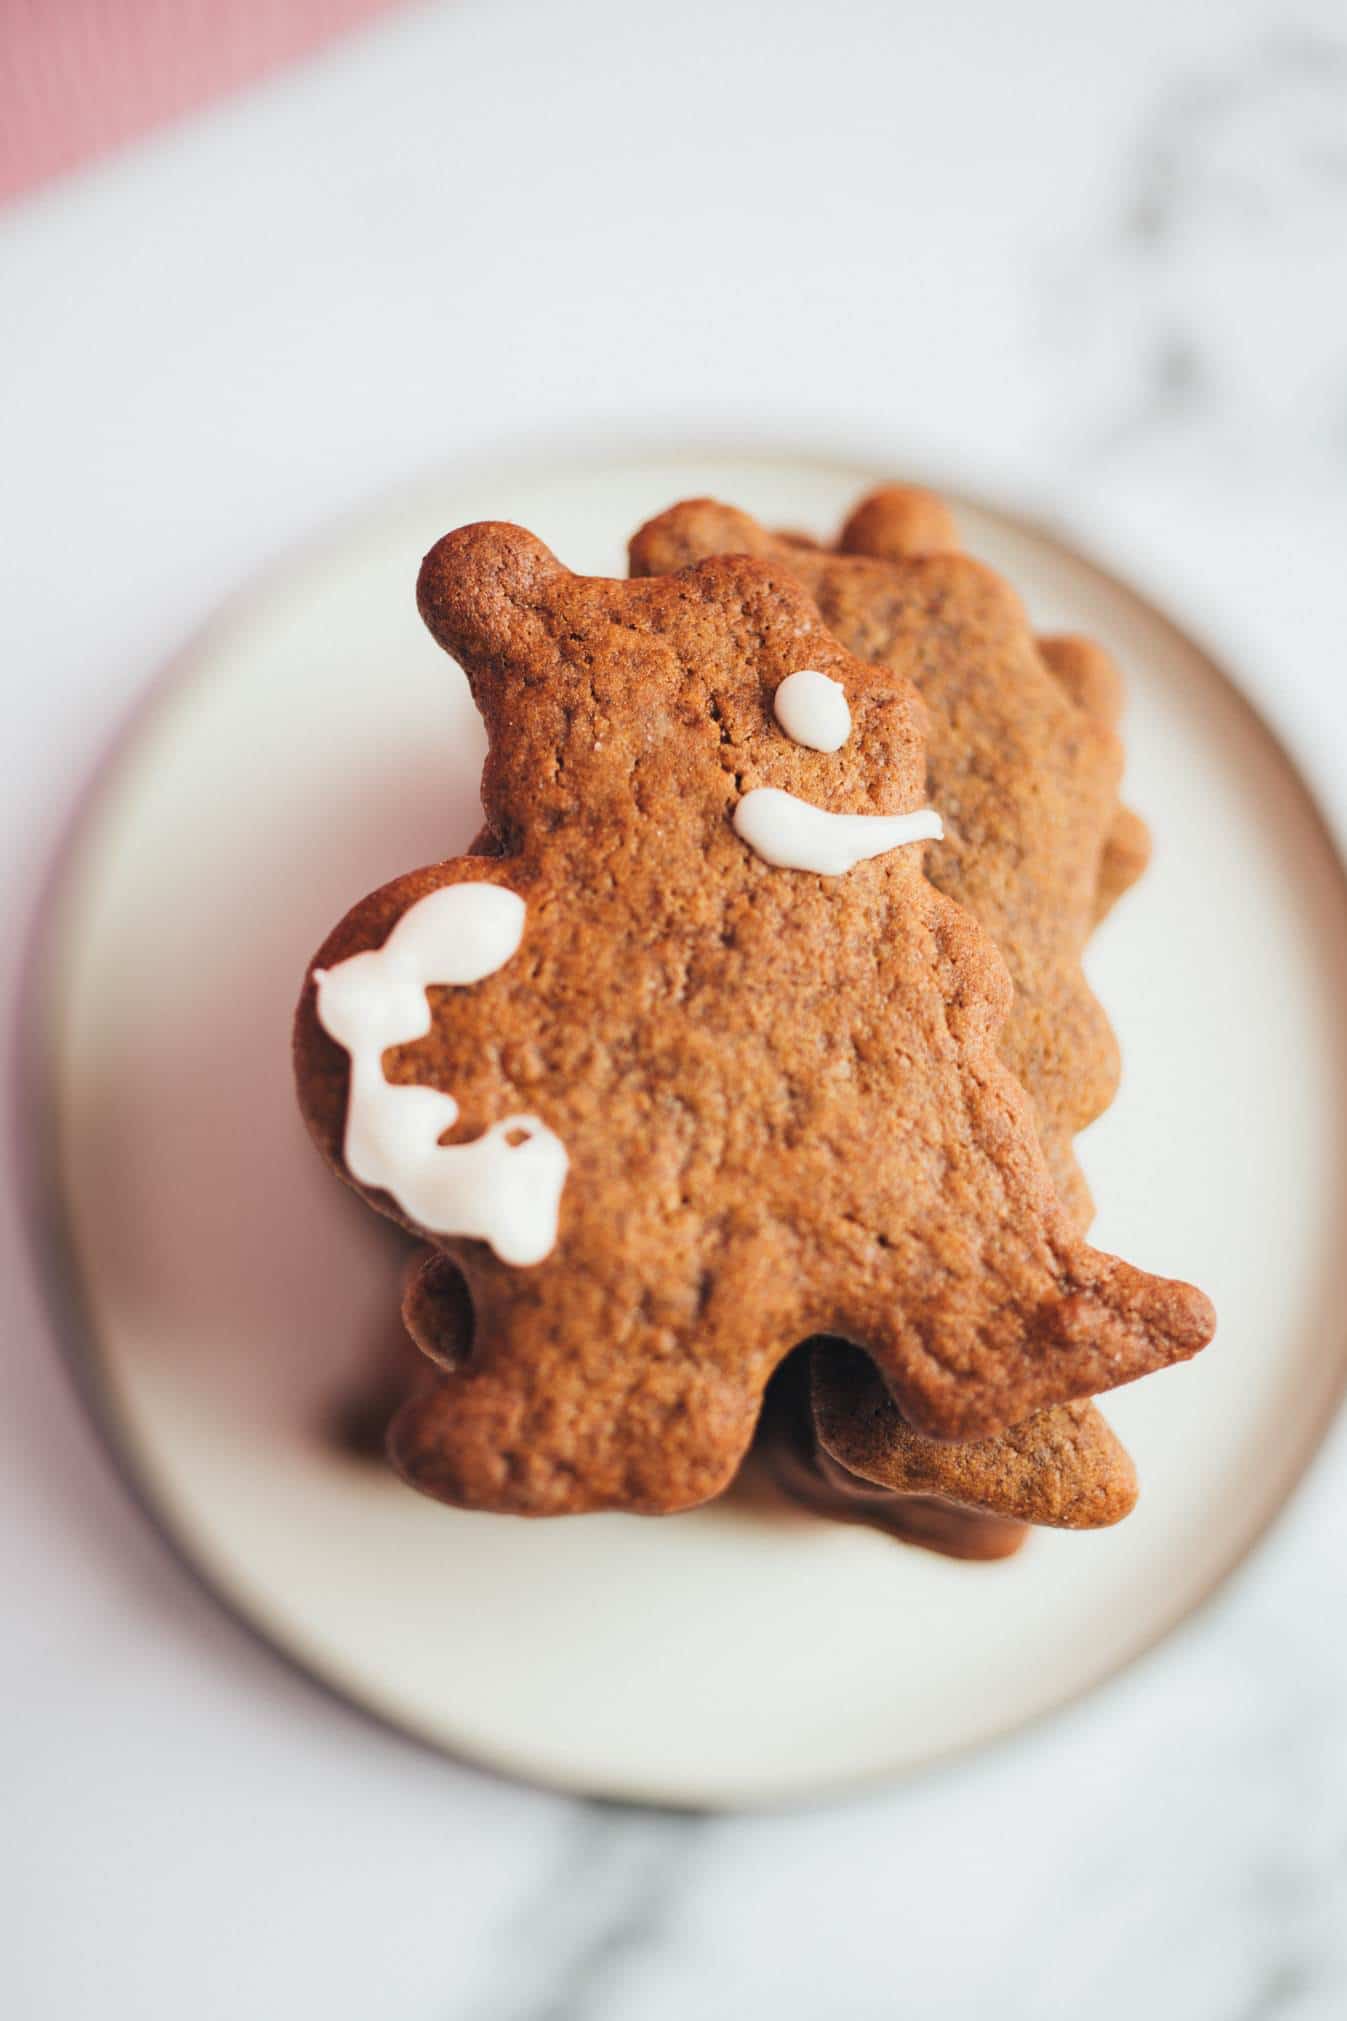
<point x="1225" y="248"/>
<point x="603" y="1907"/>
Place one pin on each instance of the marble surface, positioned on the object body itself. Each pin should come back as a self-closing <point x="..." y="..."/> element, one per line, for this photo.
<point x="1096" y="258"/>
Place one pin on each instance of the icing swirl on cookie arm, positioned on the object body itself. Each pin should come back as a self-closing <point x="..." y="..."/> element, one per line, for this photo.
<point x="504" y="1188"/>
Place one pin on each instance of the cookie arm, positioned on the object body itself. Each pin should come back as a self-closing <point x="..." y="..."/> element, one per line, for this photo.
<point x="1127" y="851"/>
<point x="1090" y="677"/>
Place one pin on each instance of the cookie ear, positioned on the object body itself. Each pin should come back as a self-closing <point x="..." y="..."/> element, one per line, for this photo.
<point x="898" y="521"/>
<point x="689" y="532"/>
<point x="482" y="589"/>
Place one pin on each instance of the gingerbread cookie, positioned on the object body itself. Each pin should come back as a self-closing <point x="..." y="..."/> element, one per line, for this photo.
<point x="890" y="524"/>
<point x="1025" y="779"/>
<point x="893" y="525"/>
<point x="701" y="1065"/>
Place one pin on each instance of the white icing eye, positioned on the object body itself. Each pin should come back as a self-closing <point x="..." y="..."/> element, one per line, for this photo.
<point x="812" y="710"/>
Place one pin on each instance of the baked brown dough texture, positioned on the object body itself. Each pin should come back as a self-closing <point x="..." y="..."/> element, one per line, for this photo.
<point x="780" y="1092"/>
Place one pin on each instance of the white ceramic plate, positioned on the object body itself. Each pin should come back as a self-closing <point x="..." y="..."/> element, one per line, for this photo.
<point x="313" y="743"/>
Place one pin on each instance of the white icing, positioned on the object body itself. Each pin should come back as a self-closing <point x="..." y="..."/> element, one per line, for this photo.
<point x="793" y="834"/>
<point x="507" y="1194"/>
<point x="812" y="710"/>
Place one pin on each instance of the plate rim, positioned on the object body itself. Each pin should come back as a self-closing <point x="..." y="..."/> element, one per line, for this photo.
<point x="43" y="1213"/>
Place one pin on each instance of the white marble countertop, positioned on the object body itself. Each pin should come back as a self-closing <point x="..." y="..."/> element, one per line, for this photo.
<point x="1097" y="257"/>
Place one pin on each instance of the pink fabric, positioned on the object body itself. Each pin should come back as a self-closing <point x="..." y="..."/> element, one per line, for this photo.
<point x="79" y="76"/>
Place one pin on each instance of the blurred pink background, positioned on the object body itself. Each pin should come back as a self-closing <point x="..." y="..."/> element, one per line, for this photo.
<point x="79" y="76"/>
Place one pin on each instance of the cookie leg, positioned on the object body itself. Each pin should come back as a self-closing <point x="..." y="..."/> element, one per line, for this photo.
<point x="1091" y="678"/>
<point x="1063" y="1467"/>
<point x="556" y="1403"/>
<point x="1041" y="1325"/>
<point x="437" y="1309"/>
<point x="810" y="1476"/>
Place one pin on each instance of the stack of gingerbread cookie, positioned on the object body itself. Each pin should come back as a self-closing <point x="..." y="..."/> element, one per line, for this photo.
<point x="731" y="1080"/>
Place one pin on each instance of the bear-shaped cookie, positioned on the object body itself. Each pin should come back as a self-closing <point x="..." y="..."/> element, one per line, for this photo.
<point x="1054" y="851"/>
<point x="699" y="1066"/>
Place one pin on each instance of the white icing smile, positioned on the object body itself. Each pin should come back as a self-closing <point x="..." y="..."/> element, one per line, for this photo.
<point x="504" y="1187"/>
<point x="793" y="834"/>
<point x="812" y="709"/>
